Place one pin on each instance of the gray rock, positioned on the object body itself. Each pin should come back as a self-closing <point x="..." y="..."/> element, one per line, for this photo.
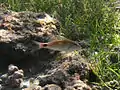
<point x="18" y="30"/>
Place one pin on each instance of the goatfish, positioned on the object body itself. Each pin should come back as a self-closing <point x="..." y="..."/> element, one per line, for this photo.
<point x="59" y="45"/>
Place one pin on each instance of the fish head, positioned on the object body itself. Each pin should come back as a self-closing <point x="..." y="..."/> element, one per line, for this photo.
<point x="74" y="46"/>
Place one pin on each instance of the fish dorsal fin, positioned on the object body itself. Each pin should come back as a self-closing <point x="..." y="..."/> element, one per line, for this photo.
<point x="57" y="37"/>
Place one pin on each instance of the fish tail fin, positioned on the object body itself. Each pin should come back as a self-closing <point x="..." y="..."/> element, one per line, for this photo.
<point x="40" y="44"/>
<point x="35" y="46"/>
<point x="36" y="43"/>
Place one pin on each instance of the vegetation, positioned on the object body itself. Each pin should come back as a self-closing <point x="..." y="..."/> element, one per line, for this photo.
<point x="95" y="21"/>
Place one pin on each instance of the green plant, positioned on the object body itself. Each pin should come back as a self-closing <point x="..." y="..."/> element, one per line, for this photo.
<point x="96" y="21"/>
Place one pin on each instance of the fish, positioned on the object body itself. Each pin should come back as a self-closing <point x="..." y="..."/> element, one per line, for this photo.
<point x="59" y="45"/>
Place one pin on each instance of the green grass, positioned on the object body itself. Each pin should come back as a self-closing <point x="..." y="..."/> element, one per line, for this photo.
<point x="93" y="20"/>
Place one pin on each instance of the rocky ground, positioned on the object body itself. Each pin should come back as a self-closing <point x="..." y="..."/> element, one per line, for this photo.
<point x="39" y="69"/>
<point x="23" y="67"/>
